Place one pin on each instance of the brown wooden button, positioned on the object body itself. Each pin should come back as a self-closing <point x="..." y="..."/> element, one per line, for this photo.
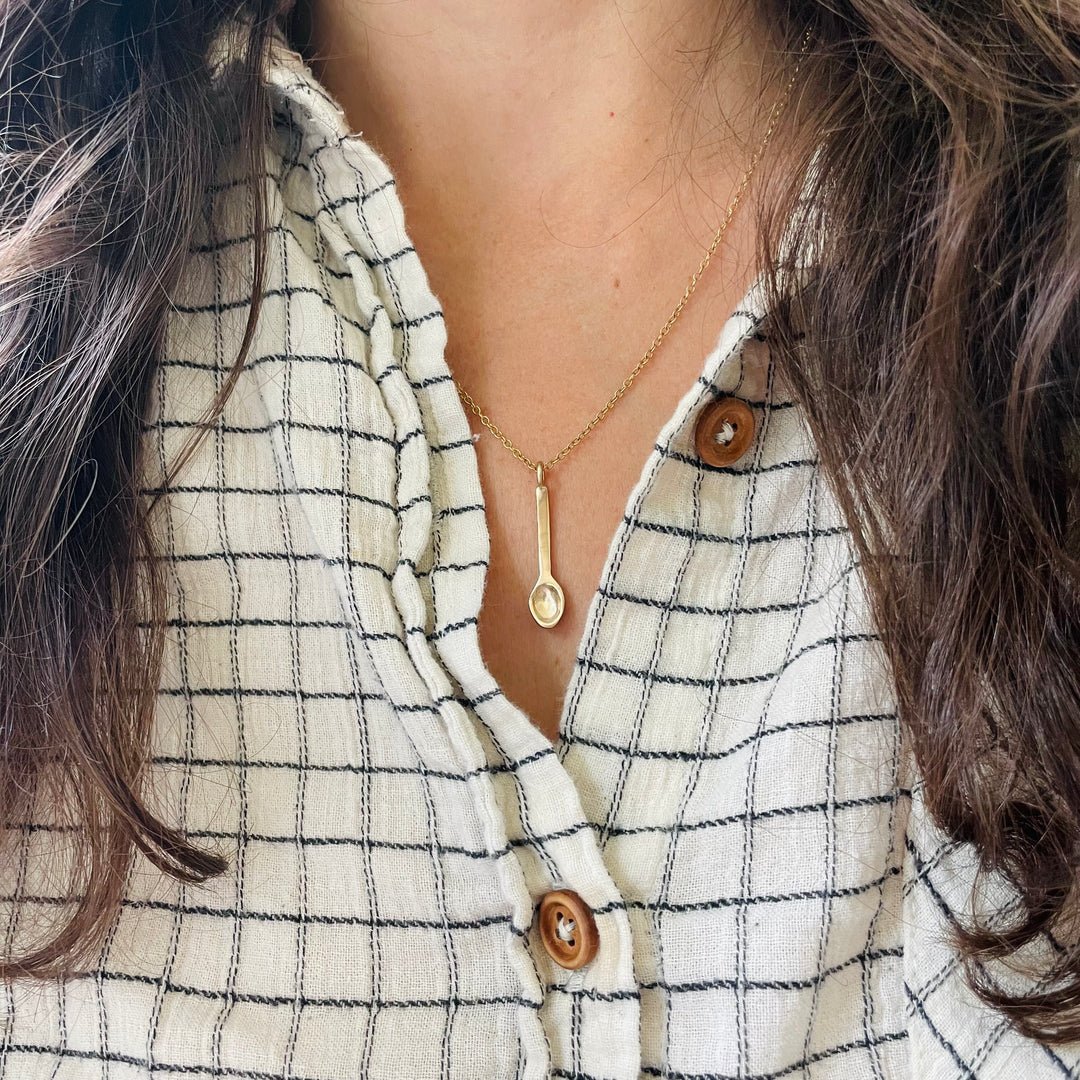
<point x="568" y="929"/>
<point x="724" y="431"/>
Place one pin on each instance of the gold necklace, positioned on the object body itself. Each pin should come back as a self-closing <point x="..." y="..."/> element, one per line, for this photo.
<point x="547" y="601"/>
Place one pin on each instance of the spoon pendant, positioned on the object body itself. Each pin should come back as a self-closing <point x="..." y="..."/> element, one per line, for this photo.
<point x="546" y="601"/>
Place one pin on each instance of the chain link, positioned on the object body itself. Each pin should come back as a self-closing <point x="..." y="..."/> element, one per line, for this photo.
<point x="740" y="193"/>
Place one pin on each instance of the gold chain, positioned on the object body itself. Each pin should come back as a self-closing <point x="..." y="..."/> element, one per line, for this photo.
<point x="625" y="385"/>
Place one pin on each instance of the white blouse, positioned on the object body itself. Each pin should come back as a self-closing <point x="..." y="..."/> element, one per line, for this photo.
<point x="728" y="794"/>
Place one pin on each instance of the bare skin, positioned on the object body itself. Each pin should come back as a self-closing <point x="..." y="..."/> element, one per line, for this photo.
<point x="561" y="178"/>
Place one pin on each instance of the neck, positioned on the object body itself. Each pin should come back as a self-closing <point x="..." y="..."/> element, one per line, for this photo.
<point x="575" y="114"/>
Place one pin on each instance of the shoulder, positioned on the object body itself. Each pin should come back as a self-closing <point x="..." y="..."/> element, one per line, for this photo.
<point x="328" y="217"/>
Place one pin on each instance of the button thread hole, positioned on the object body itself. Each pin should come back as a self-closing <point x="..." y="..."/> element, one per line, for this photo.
<point x="564" y="928"/>
<point x="726" y="434"/>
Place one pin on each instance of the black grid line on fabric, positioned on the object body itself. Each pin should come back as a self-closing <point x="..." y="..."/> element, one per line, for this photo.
<point x="278" y="623"/>
<point x="273" y="425"/>
<point x="447" y="938"/>
<point x="660" y="754"/>
<point x="299" y="971"/>
<point x="367" y="696"/>
<point x="304" y="86"/>
<point x="180" y="598"/>
<point x="728" y="611"/>
<point x="61" y="1003"/>
<point x="835" y="709"/>
<point x="10" y="937"/>
<point x="222" y="524"/>
<point x="301" y="359"/>
<point x="731" y="470"/>
<point x="104" y="1058"/>
<point x="779" y="1074"/>
<point x="231" y="997"/>
<point x="727" y="541"/>
<point x="104" y="1019"/>
<point x="758" y="900"/>
<point x="218" y="246"/>
<point x="236" y="489"/>
<point x="870" y="1011"/>
<point x="273" y="693"/>
<point x="753" y="816"/>
<point x="925" y="867"/>
<point x="374" y="944"/>
<point x="704" y="683"/>
<point x="360" y="769"/>
<point x="335" y="430"/>
<point x="731" y="541"/>
<point x="818" y="1057"/>
<point x="543" y="838"/>
<point x="734" y="983"/>
<point x="713" y="391"/>
<point x="312" y="918"/>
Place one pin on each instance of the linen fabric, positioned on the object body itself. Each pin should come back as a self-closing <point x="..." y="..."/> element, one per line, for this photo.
<point x="729" y="791"/>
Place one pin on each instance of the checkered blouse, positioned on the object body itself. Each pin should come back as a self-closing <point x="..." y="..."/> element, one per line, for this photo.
<point x="728" y="792"/>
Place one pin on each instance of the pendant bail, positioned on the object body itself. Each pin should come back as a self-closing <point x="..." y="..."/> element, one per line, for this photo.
<point x="540" y="474"/>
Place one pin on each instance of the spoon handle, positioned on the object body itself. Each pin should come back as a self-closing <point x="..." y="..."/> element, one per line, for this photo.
<point x="543" y="526"/>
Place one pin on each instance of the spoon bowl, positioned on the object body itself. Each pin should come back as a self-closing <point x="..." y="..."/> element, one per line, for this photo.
<point x="546" y="601"/>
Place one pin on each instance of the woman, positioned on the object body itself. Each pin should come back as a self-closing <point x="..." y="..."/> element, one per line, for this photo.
<point x="793" y="792"/>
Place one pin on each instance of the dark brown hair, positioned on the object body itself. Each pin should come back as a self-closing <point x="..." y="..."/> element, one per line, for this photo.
<point x="937" y="355"/>
<point x="101" y="183"/>
<point x="935" y="351"/>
